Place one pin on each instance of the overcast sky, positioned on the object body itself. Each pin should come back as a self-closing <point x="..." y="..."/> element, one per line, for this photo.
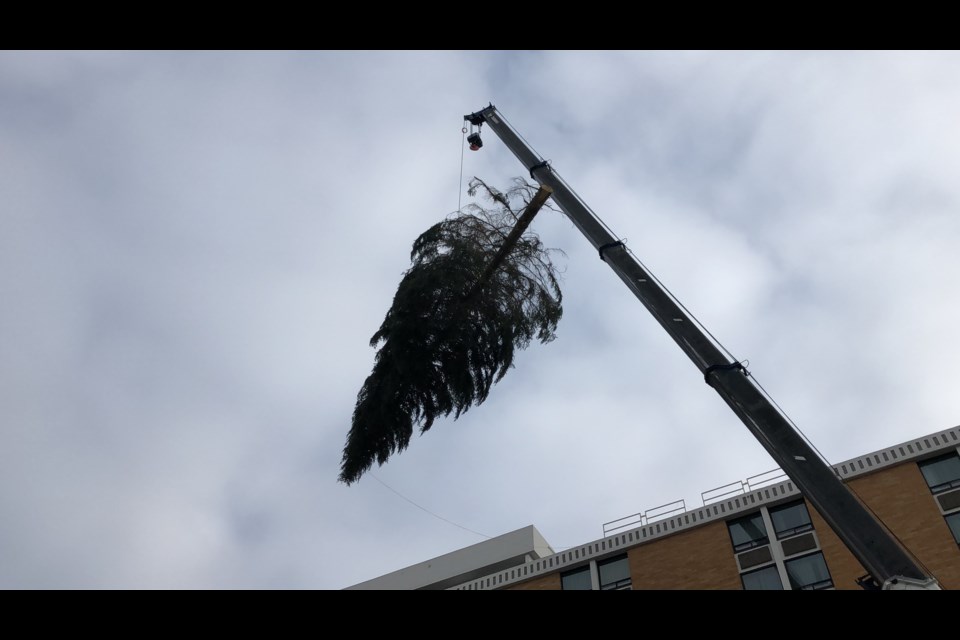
<point x="196" y="249"/>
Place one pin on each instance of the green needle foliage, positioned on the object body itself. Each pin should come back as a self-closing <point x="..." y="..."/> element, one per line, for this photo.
<point x="457" y="319"/>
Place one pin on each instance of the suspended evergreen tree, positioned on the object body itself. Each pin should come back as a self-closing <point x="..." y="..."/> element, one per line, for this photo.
<point x="480" y="287"/>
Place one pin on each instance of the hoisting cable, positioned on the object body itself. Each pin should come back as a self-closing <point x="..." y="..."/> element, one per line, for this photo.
<point x="459" y="526"/>
<point x="463" y="148"/>
<point x="439" y="517"/>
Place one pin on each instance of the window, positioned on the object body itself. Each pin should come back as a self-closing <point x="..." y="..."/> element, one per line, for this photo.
<point x="942" y="473"/>
<point x="809" y="572"/>
<point x="611" y="574"/>
<point x="790" y="519"/>
<point x="614" y="573"/>
<point x="953" y="521"/>
<point x="766" y="579"/>
<point x="748" y="532"/>
<point x="576" y="580"/>
<point x="793" y="561"/>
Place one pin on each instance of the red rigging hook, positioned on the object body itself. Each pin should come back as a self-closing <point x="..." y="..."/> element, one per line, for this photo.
<point x="474" y="138"/>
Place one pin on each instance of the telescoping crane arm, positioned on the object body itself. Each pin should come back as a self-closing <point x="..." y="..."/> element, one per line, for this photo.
<point x="877" y="550"/>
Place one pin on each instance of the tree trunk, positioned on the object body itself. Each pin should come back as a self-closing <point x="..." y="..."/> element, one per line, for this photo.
<point x="536" y="203"/>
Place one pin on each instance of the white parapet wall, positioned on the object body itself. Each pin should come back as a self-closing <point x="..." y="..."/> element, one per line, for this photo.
<point x="490" y="556"/>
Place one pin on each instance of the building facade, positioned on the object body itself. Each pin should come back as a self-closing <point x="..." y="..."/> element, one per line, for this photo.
<point x="765" y="538"/>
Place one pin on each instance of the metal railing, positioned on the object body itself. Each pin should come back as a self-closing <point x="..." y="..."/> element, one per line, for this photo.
<point x="645" y="517"/>
<point x="741" y="487"/>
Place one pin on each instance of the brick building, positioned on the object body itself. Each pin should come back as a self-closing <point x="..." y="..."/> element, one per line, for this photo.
<point x="742" y="537"/>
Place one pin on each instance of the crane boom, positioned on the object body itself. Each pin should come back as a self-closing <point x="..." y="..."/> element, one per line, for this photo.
<point x="865" y="536"/>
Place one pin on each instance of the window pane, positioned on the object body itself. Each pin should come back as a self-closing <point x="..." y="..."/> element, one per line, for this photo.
<point x="747" y="532"/>
<point x="767" y="579"/>
<point x="953" y="520"/>
<point x="614" y="573"/>
<point x="809" y="572"/>
<point x="942" y="473"/>
<point x="790" y="519"/>
<point x="577" y="580"/>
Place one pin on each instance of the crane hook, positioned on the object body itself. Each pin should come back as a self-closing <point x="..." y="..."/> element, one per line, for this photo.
<point x="474" y="137"/>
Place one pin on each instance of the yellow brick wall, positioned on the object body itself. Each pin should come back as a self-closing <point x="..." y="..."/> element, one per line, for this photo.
<point x="700" y="558"/>
<point x="900" y="497"/>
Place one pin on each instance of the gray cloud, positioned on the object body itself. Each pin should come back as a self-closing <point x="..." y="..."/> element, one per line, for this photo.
<point x="196" y="248"/>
